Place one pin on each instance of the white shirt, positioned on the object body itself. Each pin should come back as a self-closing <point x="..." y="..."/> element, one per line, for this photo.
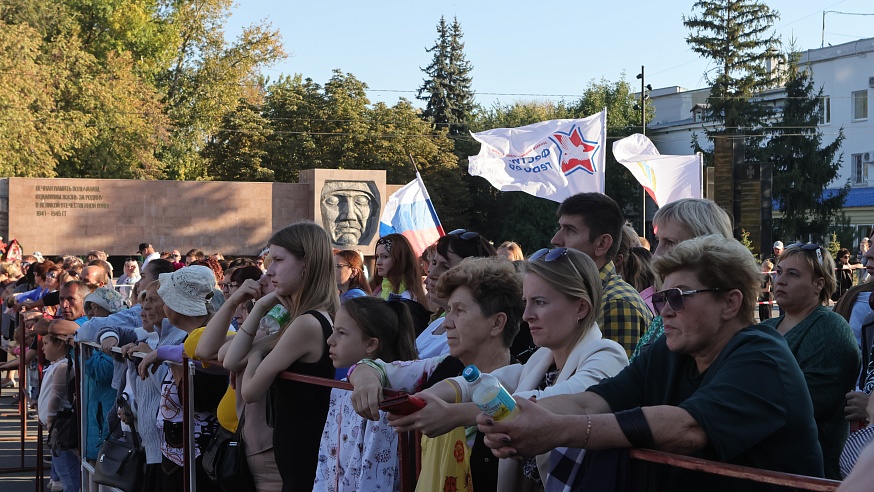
<point x="430" y="345"/>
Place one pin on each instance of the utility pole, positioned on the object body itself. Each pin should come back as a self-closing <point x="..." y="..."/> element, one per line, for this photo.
<point x="643" y="97"/>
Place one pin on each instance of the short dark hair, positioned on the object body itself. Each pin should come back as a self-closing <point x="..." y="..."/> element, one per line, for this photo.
<point x="144" y="246"/>
<point x="159" y="266"/>
<point x="601" y="215"/>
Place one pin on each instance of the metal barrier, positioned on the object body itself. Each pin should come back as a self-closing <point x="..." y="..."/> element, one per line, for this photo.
<point x="409" y="452"/>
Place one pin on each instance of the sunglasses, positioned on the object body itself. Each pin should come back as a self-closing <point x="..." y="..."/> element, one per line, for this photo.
<point x="674" y="298"/>
<point x="549" y="255"/>
<point x="466" y="235"/>
<point x="810" y="248"/>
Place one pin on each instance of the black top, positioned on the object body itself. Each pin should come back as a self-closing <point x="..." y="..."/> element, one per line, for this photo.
<point x="299" y="411"/>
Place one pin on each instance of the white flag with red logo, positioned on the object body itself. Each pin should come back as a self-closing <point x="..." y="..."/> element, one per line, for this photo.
<point x="664" y="177"/>
<point x="552" y="159"/>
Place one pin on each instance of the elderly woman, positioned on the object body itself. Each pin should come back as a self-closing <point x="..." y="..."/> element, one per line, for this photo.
<point x="716" y="386"/>
<point x="484" y="299"/>
<point x="674" y="223"/>
<point x="450" y="250"/>
<point x="820" y="339"/>
<point x="562" y="295"/>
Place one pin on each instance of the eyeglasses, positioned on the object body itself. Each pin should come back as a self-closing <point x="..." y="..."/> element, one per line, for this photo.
<point x="674" y="298"/>
<point x="549" y="255"/>
<point x="466" y="235"/>
<point x="340" y="266"/>
<point x="52" y="275"/>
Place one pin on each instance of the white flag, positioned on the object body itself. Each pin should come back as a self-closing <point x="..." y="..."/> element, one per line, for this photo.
<point x="665" y="177"/>
<point x="552" y="159"/>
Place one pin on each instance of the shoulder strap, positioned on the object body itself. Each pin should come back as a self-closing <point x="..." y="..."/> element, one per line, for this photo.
<point x="327" y="328"/>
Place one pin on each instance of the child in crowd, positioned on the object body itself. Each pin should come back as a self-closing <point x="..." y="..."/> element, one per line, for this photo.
<point x="355" y="453"/>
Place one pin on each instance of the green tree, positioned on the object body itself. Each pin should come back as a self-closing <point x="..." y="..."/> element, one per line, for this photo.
<point x="737" y="36"/>
<point x="803" y="167"/>
<point x="447" y="88"/>
<point x="237" y="152"/>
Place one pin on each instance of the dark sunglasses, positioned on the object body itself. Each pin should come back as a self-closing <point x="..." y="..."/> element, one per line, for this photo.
<point x="549" y="255"/>
<point x="674" y="298"/>
<point x="812" y="247"/>
<point x="466" y="235"/>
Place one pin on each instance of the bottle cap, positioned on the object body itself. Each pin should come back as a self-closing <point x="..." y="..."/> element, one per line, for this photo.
<point x="471" y="373"/>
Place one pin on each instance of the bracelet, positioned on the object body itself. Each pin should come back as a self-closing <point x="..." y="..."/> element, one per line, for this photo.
<point x="241" y="330"/>
<point x="635" y="427"/>
<point x="588" y="431"/>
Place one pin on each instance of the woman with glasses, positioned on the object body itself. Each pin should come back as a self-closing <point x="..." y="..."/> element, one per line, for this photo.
<point x="674" y="223"/>
<point x="716" y="386"/>
<point x="397" y="270"/>
<point x="820" y="339"/>
<point x="844" y="273"/>
<point x="448" y="252"/>
<point x="349" y="273"/>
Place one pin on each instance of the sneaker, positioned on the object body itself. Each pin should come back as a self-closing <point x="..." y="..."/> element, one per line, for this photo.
<point x="9" y="383"/>
<point x="55" y="486"/>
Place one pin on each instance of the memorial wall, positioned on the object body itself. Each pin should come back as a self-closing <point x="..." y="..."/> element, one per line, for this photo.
<point x="56" y="216"/>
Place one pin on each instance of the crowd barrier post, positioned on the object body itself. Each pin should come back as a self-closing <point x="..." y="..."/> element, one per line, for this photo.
<point x="186" y="397"/>
<point x="22" y="404"/>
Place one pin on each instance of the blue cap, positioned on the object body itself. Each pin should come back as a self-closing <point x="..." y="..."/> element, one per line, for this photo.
<point x="471" y="373"/>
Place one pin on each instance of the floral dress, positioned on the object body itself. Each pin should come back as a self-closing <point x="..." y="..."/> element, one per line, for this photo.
<point x="356" y="453"/>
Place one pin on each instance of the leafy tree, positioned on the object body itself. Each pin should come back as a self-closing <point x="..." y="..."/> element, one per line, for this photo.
<point x="803" y="167"/>
<point x="238" y="151"/>
<point x="736" y="35"/>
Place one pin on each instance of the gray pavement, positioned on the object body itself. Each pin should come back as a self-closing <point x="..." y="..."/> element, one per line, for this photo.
<point x="10" y="447"/>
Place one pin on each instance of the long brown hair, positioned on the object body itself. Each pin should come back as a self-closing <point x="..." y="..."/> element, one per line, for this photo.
<point x="388" y="321"/>
<point x="405" y="269"/>
<point x="310" y="243"/>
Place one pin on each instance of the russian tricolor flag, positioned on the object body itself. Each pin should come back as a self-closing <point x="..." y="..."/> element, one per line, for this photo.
<point x="409" y="211"/>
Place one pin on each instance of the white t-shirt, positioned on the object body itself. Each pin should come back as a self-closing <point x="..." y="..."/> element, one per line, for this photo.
<point x="430" y="345"/>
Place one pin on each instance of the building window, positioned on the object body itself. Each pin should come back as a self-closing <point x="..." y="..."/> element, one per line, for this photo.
<point x="860" y="105"/>
<point x="859" y="171"/>
<point x="825" y="110"/>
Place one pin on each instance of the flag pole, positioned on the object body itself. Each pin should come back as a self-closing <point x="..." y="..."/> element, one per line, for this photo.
<point x="427" y="196"/>
<point x="701" y="172"/>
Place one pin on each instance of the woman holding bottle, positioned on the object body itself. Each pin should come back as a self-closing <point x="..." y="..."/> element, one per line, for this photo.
<point x="301" y="272"/>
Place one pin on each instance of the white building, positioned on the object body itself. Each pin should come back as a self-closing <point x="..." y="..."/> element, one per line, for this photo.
<point x="846" y="74"/>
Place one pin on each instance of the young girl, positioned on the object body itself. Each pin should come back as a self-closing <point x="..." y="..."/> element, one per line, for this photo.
<point x="356" y="454"/>
<point x="397" y="270"/>
<point x="301" y="272"/>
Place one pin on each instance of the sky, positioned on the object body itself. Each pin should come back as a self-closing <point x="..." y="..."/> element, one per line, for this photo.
<point x="519" y="50"/>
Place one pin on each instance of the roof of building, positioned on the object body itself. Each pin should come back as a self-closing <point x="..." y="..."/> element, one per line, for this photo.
<point x="857" y="197"/>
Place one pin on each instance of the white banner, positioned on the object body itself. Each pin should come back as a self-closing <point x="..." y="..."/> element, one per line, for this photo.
<point x="665" y="177"/>
<point x="552" y="159"/>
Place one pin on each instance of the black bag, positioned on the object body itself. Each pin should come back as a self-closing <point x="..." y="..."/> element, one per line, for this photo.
<point x="224" y="461"/>
<point x="121" y="464"/>
<point x="64" y="432"/>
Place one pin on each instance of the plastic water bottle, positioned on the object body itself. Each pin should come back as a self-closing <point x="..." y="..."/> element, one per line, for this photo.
<point x="490" y="395"/>
<point x="274" y="319"/>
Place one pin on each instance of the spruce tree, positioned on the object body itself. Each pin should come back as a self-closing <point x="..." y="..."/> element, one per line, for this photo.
<point x="737" y="36"/>
<point x="447" y="89"/>
<point x="803" y="168"/>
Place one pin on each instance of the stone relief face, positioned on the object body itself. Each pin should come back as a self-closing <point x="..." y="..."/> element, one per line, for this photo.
<point x="350" y="211"/>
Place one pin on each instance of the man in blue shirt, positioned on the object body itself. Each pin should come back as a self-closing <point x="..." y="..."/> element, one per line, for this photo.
<point x="73" y="301"/>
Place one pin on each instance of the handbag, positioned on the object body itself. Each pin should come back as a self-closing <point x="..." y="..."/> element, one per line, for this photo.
<point x="121" y="464"/>
<point x="224" y="460"/>
<point x="64" y="432"/>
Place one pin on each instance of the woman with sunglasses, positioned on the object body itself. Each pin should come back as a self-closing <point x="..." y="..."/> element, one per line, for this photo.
<point x="674" y="223"/>
<point x="448" y="252"/>
<point x="561" y="290"/>
<point x="716" y="386"/>
<point x="820" y="339"/>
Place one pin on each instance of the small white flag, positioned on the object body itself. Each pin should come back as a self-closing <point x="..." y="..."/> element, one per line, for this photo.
<point x="664" y="177"/>
<point x="552" y="159"/>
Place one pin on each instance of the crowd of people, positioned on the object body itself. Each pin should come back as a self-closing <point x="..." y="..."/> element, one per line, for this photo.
<point x="604" y="344"/>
